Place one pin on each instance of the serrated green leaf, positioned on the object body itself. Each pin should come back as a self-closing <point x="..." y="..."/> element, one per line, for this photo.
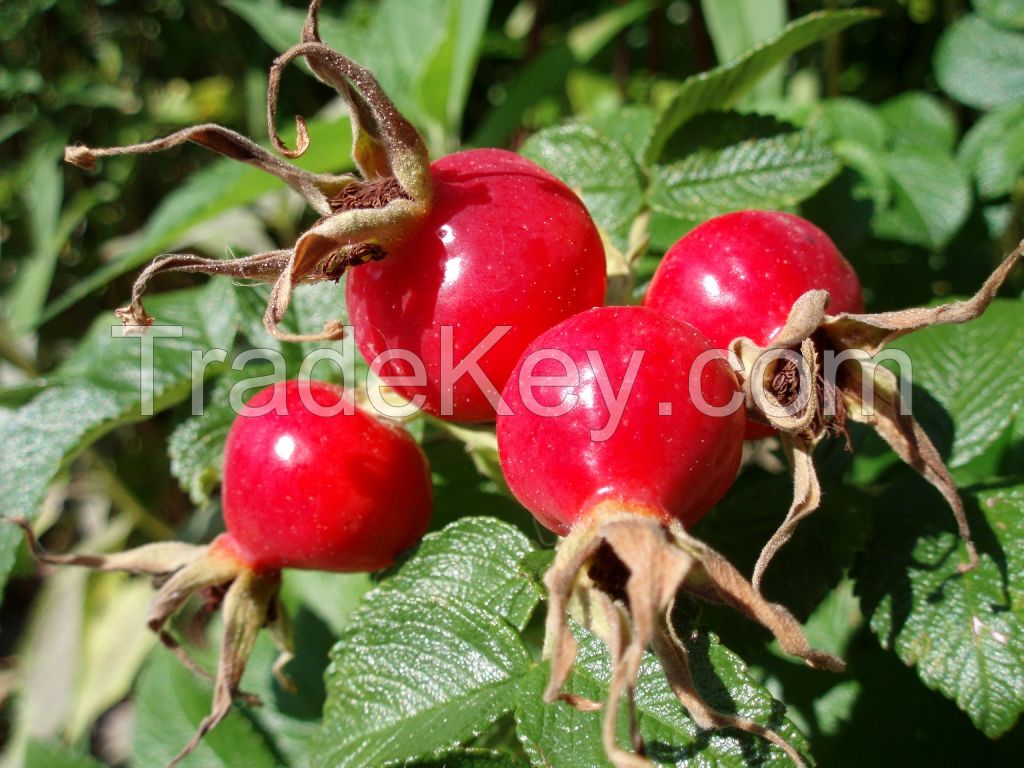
<point x="931" y="198"/>
<point x="55" y="755"/>
<point x="280" y="26"/>
<point x="432" y="45"/>
<point x="547" y="72"/>
<point x="196" y="447"/>
<point x="442" y="82"/>
<point x="170" y="703"/>
<point x="993" y="151"/>
<point x="469" y="758"/>
<point x="1006" y="13"/>
<point x="851" y="120"/>
<point x="41" y="436"/>
<point x="598" y="167"/>
<point x="772" y="172"/>
<point x="630" y="126"/>
<point x="858" y="135"/>
<point x="558" y="736"/>
<point x="736" y="26"/>
<point x="432" y="656"/>
<point x="970" y="375"/>
<point x="964" y="633"/>
<point x="99" y="388"/>
<point x="112" y="646"/>
<point x="903" y="152"/>
<point x="980" y="64"/>
<point x="919" y="120"/>
<point x="473" y="560"/>
<point x="405" y="680"/>
<point x="331" y="596"/>
<point x="720" y="88"/>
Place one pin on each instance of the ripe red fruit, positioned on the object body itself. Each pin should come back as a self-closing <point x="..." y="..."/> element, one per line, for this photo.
<point x="505" y="243"/>
<point x="739" y="274"/>
<point x="315" y="484"/>
<point x="675" y="465"/>
<point x="618" y="451"/>
<point x="345" y="492"/>
<point x="753" y="281"/>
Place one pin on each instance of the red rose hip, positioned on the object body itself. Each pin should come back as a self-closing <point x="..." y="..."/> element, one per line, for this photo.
<point x="505" y="244"/>
<point x="625" y="428"/>
<point x="341" y="492"/>
<point x="739" y="274"/>
<point x="311" y="482"/>
<point x="775" y="290"/>
<point x="636" y="433"/>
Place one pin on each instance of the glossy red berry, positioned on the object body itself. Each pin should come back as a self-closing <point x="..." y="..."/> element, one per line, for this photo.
<point x="506" y="244"/>
<point x="341" y="492"/>
<point x="650" y="446"/>
<point x="739" y="274"/>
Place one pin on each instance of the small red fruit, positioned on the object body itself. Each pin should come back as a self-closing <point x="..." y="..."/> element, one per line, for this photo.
<point x="342" y="492"/>
<point x="505" y="244"/>
<point x="665" y="455"/>
<point x="761" y="283"/>
<point x="310" y="482"/>
<point x="739" y="275"/>
<point x="619" y="450"/>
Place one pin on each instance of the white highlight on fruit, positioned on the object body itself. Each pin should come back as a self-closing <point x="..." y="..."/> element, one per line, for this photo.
<point x="284" y="447"/>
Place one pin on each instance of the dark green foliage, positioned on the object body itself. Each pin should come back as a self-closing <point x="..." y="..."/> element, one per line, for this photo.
<point x="904" y="143"/>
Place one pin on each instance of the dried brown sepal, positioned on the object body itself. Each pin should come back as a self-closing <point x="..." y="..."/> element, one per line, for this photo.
<point x="179" y="571"/>
<point x="361" y="217"/>
<point x="858" y="389"/>
<point x="618" y="574"/>
<point x="806" y="499"/>
<point x="246" y="607"/>
<point x="792" y="347"/>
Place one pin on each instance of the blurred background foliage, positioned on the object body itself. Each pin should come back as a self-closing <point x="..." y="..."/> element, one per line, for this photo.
<point x="902" y="137"/>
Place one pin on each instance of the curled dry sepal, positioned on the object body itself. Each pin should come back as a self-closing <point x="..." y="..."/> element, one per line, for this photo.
<point x="249" y="600"/>
<point x="860" y="389"/>
<point x="361" y="217"/>
<point x="619" y="574"/>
